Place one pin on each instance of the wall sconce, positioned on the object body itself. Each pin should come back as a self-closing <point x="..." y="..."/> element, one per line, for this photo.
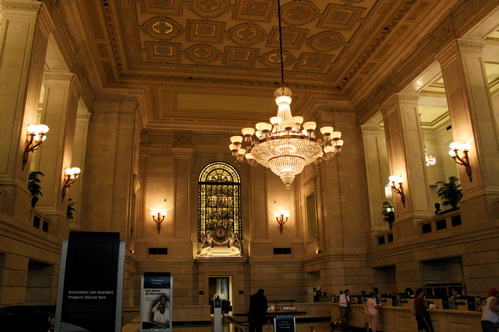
<point x="396" y="183"/>
<point x="463" y="160"/>
<point x="71" y="175"/>
<point x="281" y="217"/>
<point x="158" y="216"/>
<point x="34" y="137"/>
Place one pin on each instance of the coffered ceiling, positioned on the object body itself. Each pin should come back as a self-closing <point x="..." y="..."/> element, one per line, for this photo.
<point x="218" y="60"/>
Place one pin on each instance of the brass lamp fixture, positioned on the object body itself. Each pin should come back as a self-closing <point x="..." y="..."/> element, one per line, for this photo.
<point x="285" y="145"/>
<point x="34" y="137"/>
<point x="281" y="217"/>
<point x="463" y="160"/>
<point x="396" y="183"/>
<point x="71" y="176"/>
<point x="158" y="216"/>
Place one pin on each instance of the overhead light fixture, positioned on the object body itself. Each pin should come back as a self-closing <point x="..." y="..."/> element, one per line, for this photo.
<point x="396" y="183"/>
<point x="285" y="145"/>
<point x="71" y="176"/>
<point x="281" y="217"/>
<point x="158" y="216"/>
<point x="463" y="160"/>
<point x="34" y="137"/>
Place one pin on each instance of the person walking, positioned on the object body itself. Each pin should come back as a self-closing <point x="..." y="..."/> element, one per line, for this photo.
<point x="490" y="311"/>
<point x="372" y="310"/>
<point x="257" y="311"/>
<point x="345" y="309"/>
<point x="421" y="311"/>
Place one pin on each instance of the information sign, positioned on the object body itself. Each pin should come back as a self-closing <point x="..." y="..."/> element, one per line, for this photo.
<point x="156" y="302"/>
<point x="90" y="283"/>
<point x="284" y="323"/>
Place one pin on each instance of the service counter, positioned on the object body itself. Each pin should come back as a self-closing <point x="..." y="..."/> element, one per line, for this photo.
<point x="400" y="319"/>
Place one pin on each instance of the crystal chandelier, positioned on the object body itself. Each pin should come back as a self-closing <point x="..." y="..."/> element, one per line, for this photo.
<point x="285" y="145"/>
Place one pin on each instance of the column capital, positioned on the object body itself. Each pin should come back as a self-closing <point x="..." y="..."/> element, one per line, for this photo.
<point x="63" y="79"/>
<point x="396" y="99"/>
<point x="470" y="47"/>
<point x="19" y="6"/>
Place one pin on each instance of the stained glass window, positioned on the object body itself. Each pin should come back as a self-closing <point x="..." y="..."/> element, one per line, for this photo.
<point x="219" y="199"/>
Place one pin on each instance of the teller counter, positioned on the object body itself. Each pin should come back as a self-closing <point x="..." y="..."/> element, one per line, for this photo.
<point x="400" y="319"/>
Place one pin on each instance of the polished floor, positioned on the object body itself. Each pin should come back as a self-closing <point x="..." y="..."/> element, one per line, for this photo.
<point x="238" y="325"/>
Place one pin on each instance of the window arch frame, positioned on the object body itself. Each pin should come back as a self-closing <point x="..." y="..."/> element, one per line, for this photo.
<point x="223" y="181"/>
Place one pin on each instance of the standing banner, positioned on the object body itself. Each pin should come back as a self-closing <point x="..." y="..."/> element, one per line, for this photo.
<point x="156" y="302"/>
<point x="90" y="294"/>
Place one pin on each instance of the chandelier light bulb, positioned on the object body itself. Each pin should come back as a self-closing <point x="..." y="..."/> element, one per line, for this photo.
<point x="236" y="139"/>
<point x="275" y="120"/>
<point x="309" y="125"/>
<point x="326" y="130"/>
<point x="248" y="131"/>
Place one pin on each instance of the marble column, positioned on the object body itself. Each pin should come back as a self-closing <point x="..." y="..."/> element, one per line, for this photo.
<point x="473" y="121"/>
<point x="405" y="145"/>
<point x="112" y="153"/>
<point x="377" y="172"/>
<point x="182" y="163"/>
<point x="17" y="34"/>
<point x="60" y="104"/>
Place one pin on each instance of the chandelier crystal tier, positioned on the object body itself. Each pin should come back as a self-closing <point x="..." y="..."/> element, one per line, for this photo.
<point x="285" y="145"/>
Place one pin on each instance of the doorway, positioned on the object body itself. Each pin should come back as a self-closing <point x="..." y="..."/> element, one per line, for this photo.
<point x="221" y="287"/>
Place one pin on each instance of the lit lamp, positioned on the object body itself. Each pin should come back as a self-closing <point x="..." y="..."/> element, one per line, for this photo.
<point x="158" y="216"/>
<point x="34" y="137"/>
<point x="285" y="144"/>
<point x="281" y="217"/>
<point x="463" y="160"/>
<point x="71" y="176"/>
<point x="396" y="183"/>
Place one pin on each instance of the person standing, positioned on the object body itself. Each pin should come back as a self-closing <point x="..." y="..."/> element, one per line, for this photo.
<point x="372" y="310"/>
<point x="421" y="310"/>
<point x="345" y="309"/>
<point x="490" y="311"/>
<point x="257" y="311"/>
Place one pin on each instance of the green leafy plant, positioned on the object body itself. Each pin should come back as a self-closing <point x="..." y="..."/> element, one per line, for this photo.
<point x="34" y="186"/>
<point x="450" y="192"/>
<point x="388" y="213"/>
<point x="71" y="209"/>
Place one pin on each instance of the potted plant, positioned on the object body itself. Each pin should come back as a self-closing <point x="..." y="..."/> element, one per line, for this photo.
<point x="450" y="192"/>
<point x="388" y="213"/>
<point x="34" y="187"/>
<point x="71" y="209"/>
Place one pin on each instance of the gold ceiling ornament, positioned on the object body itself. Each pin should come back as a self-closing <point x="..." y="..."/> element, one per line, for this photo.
<point x="285" y="145"/>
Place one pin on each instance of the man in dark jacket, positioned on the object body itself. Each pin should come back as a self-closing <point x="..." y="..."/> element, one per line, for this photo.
<point x="257" y="311"/>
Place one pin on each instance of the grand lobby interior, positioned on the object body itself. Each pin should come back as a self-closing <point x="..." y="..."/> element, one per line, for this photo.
<point x="142" y="97"/>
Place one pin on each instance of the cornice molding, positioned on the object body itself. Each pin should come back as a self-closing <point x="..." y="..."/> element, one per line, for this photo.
<point x="29" y="6"/>
<point x="338" y="109"/>
<point x="46" y="22"/>
<point x="163" y="132"/>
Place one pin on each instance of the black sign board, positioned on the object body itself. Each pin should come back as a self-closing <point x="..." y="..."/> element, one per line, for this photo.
<point x="90" y="283"/>
<point x="284" y="323"/>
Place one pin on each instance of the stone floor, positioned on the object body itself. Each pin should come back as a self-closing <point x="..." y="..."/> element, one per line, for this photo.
<point x="240" y="326"/>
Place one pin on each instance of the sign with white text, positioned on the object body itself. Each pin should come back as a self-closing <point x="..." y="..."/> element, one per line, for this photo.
<point x="156" y="302"/>
<point x="284" y="323"/>
<point x="90" y="291"/>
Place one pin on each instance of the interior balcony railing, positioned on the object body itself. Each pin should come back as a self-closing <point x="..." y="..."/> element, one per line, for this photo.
<point x="441" y="222"/>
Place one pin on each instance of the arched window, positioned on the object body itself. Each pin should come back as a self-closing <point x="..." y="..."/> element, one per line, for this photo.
<point x="219" y="203"/>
